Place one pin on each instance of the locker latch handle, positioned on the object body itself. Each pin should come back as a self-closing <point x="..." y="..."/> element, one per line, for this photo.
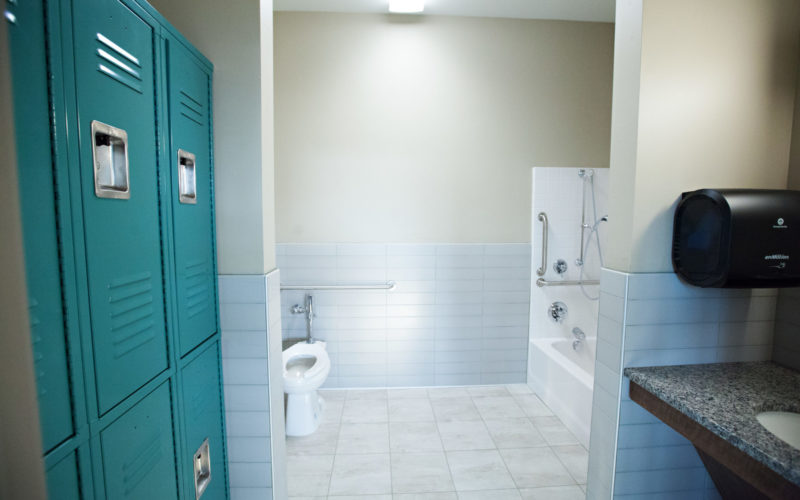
<point x="202" y="469"/>
<point x="187" y="182"/>
<point x="110" y="161"/>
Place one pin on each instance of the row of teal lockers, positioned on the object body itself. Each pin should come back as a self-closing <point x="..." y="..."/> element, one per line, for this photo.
<point x="114" y="146"/>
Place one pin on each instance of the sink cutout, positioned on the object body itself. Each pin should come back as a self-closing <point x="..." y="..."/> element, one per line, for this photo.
<point x="783" y="424"/>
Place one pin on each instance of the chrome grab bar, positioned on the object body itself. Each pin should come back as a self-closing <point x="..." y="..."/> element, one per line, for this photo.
<point x="389" y="285"/>
<point x="543" y="217"/>
<point x="541" y="282"/>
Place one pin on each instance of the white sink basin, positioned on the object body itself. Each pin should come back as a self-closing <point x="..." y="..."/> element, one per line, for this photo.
<point x="783" y="424"/>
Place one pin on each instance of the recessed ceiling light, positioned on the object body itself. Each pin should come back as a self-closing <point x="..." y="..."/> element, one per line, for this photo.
<point x="406" y="6"/>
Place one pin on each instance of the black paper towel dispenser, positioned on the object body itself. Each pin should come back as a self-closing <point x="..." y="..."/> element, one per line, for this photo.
<point x="738" y="238"/>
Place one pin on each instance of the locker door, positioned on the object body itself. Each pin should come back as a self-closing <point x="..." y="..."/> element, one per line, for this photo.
<point x="37" y="193"/>
<point x="114" y="67"/>
<point x="62" y="479"/>
<point x="139" y="451"/>
<point x="191" y="198"/>
<point x="202" y="420"/>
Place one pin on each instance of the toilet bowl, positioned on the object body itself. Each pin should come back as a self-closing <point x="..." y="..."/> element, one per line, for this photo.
<point x="305" y="368"/>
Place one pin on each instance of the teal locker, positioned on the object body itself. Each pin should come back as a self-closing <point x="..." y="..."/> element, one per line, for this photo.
<point x="202" y="422"/>
<point x="190" y="130"/>
<point x="40" y="232"/>
<point x="138" y="451"/>
<point x="63" y="481"/>
<point x="114" y="67"/>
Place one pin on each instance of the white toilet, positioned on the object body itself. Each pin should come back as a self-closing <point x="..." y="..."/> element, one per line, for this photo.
<point x="305" y="368"/>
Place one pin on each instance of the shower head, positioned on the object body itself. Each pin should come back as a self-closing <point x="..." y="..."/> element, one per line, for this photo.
<point x="585" y="173"/>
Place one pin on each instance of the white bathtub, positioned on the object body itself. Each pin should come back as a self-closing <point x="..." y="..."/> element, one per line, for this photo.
<point x="564" y="379"/>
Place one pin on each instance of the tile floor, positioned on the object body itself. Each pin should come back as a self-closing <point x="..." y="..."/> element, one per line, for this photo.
<point x="460" y="443"/>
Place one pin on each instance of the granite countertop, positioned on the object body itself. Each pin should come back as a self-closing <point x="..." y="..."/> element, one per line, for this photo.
<point x="725" y="399"/>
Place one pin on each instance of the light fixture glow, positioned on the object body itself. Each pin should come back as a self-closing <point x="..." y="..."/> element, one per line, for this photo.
<point x="406" y="6"/>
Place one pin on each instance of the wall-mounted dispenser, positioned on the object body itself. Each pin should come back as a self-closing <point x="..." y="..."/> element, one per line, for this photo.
<point x="738" y="238"/>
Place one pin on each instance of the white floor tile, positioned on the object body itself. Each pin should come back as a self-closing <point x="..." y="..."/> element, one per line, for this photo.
<point x="420" y="473"/>
<point x="469" y="435"/>
<point x="553" y="493"/>
<point x="361" y="475"/>
<point x="498" y="407"/>
<point x="478" y="470"/>
<point x="455" y="409"/>
<point x="514" y="433"/>
<point x="576" y="459"/>
<point x="532" y="406"/>
<point x="363" y="438"/>
<point x="536" y="467"/>
<point x="365" y="411"/>
<point x="511" y="494"/>
<point x="410" y="410"/>
<point x="553" y="431"/>
<point x="414" y="437"/>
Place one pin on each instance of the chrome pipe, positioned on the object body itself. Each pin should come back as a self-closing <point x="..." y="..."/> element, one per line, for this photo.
<point x="541" y="282"/>
<point x="543" y="217"/>
<point x="389" y="285"/>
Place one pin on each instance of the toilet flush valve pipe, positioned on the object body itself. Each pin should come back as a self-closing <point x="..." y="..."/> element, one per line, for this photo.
<point x="309" y="310"/>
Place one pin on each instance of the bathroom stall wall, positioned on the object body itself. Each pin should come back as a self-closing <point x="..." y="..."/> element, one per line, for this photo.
<point x="703" y="93"/>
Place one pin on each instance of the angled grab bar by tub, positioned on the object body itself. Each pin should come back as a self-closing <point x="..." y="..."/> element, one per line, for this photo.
<point x="389" y="285"/>
<point x="541" y="282"/>
<point x="543" y="217"/>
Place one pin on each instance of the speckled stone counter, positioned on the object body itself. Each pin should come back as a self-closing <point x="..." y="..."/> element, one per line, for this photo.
<point x="725" y="399"/>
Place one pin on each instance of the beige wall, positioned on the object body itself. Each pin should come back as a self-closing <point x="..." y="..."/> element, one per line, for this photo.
<point x="793" y="181"/>
<point x="237" y="38"/>
<point x="425" y="129"/>
<point x="716" y="96"/>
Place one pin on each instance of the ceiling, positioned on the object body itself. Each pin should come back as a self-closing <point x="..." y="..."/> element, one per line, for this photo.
<point x="571" y="10"/>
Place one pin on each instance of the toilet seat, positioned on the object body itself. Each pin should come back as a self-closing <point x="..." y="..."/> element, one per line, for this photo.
<point x="297" y="379"/>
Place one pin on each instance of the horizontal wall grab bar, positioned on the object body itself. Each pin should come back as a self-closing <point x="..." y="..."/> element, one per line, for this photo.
<point x="541" y="282"/>
<point x="389" y="285"/>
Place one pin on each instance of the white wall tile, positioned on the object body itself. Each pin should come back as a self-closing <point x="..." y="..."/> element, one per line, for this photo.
<point x="450" y="301"/>
<point x="654" y="319"/>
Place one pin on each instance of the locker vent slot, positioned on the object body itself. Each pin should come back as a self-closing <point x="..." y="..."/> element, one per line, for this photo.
<point x="132" y="311"/>
<point x="187" y="181"/>
<point x="191" y="108"/>
<point x="144" y="460"/>
<point x="110" y="159"/>
<point x="198" y="295"/>
<point x="118" y="64"/>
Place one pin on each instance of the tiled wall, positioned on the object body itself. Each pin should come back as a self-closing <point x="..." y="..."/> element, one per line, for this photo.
<point x="459" y="313"/>
<point x="558" y="192"/>
<point x="654" y="319"/>
<point x="786" y="347"/>
<point x="249" y="310"/>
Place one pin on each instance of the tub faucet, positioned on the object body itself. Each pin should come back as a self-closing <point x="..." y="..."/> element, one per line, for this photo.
<point x="578" y="333"/>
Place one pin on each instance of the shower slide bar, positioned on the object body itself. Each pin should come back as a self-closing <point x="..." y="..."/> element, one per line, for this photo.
<point x="541" y="282"/>
<point x="389" y="285"/>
